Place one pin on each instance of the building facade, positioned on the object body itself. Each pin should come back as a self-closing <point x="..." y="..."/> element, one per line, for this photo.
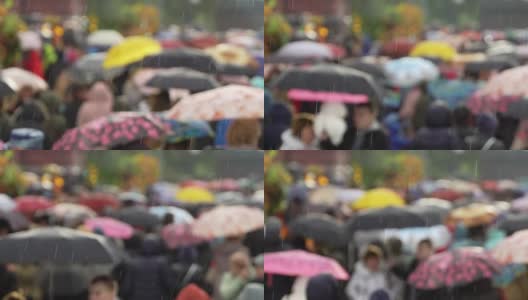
<point x="62" y="8"/>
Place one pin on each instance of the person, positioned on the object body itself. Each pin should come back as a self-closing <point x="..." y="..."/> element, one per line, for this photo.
<point x="322" y="287"/>
<point x="99" y="103"/>
<point x="301" y="135"/>
<point x="252" y="291"/>
<point x="56" y="125"/>
<point x="240" y="272"/>
<point x="30" y="114"/>
<point x="438" y="133"/>
<point x="14" y="296"/>
<point x="8" y="281"/>
<point x="277" y="121"/>
<point x="243" y="134"/>
<point x="369" y="133"/>
<point x="463" y="122"/>
<point x="193" y="292"/>
<point x="484" y="138"/>
<point x="368" y="276"/>
<point x="78" y="95"/>
<point x="103" y="287"/>
<point x="160" y="102"/>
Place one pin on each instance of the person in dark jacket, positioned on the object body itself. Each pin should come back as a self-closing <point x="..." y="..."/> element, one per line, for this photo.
<point x="278" y="120"/>
<point x="322" y="287"/>
<point x="485" y="139"/>
<point x="78" y="96"/>
<point x="438" y="133"/>
<point x="370" y="135"/>
<point x="148" y="275"/>
<point x="8" y="282"/>
<point x="463" y="122"/>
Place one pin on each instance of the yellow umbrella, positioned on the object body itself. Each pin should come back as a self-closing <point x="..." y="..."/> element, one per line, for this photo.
<point x="378" y="198"/>
<point x="131" y="50"/>
<point x="434" y="49"/>
<point x="194" y="195"/>
<point x="230" y="55"/>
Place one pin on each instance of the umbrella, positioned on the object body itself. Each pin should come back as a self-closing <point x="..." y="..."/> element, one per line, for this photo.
<point x="433" y="215"/>
<point x="329" y="78"/>
<point x="7" y="88"/>
<point x="104" y="38"/>
<point x="520" y="204"/>
<point x="183" y="58"/>
<point x="490" y="64"/>
<point x="162" y="193"/>
<point x="501" y="48"/>
<point x="29" y="40"/>
<point x="373" y="70"/>
<point x="179" y="235"/>
<point x="434" y="49"/>
<point x="6" y="203"/>
<point x="469" y="58"/>
<point x="181" y="216"/>
<point x="453" y="92"/>
<point x="181" y="78"/>
<point x="131" y="50"/>
<point x="325" y="196"/>
<point x="137" y="217"/>
<point x="110" y="227"/>
<point x="16" y="220"/>
<point x="181" y="131"/>
<point x="410" y="71"/>
<point x="71" y="214"/>
<point x="513" y="223"/>
<point x="89" y="68"/>
<point x="108" y="132"/>
<point x="195" y="183"/>
<point x="194" y="195"/>
<point x="454" y="268"/>
<point x="226" y="54"/>
<point x="326" y="97"/>
<point x="135" y="197"/>
<point x="56" y="245"/>
<point x="319" y="227"/>
<point x="473" y="214"/>
<point x="99" y="202"/>
<point x="301" y="263"/>
<point x="378" y="198"/>
<point x="513" y="249"/>
<point x="434" y="202"/>
<point x="18" y="78"/>
<point x="389" y="217"/>
<point x="226" y="221"/>
<point x="304" y="50"/>
<point x="230" y="198"/>
<point x="397" y="48"/>
<point x="228" y="102"/>
<point x="29" y="205"/>
<point x="234" y="70"/>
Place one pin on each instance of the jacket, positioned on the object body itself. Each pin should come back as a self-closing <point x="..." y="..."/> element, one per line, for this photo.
<point x="277" y="121"/>
<point x="437" y="133"/>
<point x="291" y="142"/>
<point x="364" y="283"/>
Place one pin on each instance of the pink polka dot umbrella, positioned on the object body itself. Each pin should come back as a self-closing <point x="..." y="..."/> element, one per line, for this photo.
<point x="225" y="221"/>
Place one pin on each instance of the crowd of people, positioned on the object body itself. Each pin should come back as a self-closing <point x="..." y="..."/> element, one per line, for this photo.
<point x="443" y="239"/>
<point x="446" y="89"/>
<point x="120" y="243"/>
<point x="66" y="81"/>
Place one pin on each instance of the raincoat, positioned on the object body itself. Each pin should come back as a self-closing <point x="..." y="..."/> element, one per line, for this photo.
<point x="365" y="282"/>
<point x="291" y="142"/>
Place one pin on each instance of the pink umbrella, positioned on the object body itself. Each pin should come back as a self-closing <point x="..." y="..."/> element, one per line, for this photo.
<point x="179" y="235"/>
<point x="224" y="221"/>
<point x="513" y="250"/>
<point x="312" y="96"/>
<point x="110" y="227"/>
<point x="520" y="204"/>
<point x="302" y="263"/>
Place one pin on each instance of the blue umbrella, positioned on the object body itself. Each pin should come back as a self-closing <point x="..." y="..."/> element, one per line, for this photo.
<point x="453" y="92"/>
<point x="182" y="131"/>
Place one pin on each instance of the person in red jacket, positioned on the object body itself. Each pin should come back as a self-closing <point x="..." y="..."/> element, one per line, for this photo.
<point x="33" y="62"/>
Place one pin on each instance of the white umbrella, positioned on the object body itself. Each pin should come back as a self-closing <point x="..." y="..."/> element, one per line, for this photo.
<point x="105" y="38"/>
<point x="305" y="49"/>
<point x="22" y="78"/>
<point x="30" y="40"/>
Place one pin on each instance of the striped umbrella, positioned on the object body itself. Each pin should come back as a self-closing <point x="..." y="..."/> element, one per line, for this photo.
<point x="224" y="221"/>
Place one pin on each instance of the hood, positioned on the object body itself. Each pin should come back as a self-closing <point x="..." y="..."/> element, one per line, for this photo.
<point x="100" y="93"/>
<point x="322" y="287"/>
<point x="152" y="246"/>
<point x="438" y="116"/>
<point x="487" y="124"/>
<point x="280" y="113"/>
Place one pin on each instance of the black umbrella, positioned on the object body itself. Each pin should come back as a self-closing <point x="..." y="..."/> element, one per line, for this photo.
<point x="56" y="245"/>
<point x="182" y="78"/>
<point x="512" y="223"/>
<point x="329" y="78"/>
<point x="389" y="217"/>
<point x="185" y="58"/>
<point x="319" y="227"/>
<point x="137" y="217"/>
<point x="237" y="70"/>
<point x="89" y="69"/>
<point x="433" y="215"/>
<point x="15" y="220"/>
<point x="6" y="89"/>
<point x="372" y="69"/>
<point x="490" y="65"/>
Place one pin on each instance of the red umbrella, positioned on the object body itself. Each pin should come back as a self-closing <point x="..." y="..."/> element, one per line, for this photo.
<point x="397" y="48"/>
<point x="446" y="194"/>
<point x="454" y="268"/>
<point x="99" y="202"/>
<point x="29" y="205"/>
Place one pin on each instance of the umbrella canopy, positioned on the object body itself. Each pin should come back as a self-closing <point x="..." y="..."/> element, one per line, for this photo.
<point x="513" y="249"/>
<point x="454" y="268"/>
<point x="473" y="214"/>
<point x="397" y="48"/>
<point x="131" y="50"/>
<point x="104" y="38"/>
<point x="181" y="216"/>
<point x="6" y="203"/>
<point x="110" y="227"/>
<point x="99" y="202"/>
<point x="182" y="131"/>
<point x="305" y="50"/>
<point x="117" y="129"/>
<point x="500" y="48"/>
<point x="137" y="217"/>
<point x="194" y="195"/>
<point x="329" y="78"/>
<point x="18" y="78"/>
<point x="56" y="245"/>
<point x="325" y="196"/>
<point x="434" y="202"/>
<point x="513" y="223"/>
<point x="162" y="193"/>
<point x="29" y="40"/>
<point x="389" y="217"/>
<point x="374" y="70"/>
<point x="225" y="221"/>
<point x="302" y="263"/>
<point x="319" y="227"/>
<point x="71" y="214"/>
<point x="135" y="197"/>
<point x="378" y="198"/>
<point x="490" y="64"/>
<point x="410" y="71"/>
<point x="452" y="92"/>
<point x="89" y="68"/>
<point x="182" y="78"/>
<point x="227" y="54"/>
<point x="228" y="102"/>
<point x="7" y="88"/>
<point x="179" y="235"/>
<point x="29" y="205"/>
<point x="433" y="215"/>
<point x="183" y="58"/>
<point x="434" y="49"/>
<point x="16" y="220"/>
